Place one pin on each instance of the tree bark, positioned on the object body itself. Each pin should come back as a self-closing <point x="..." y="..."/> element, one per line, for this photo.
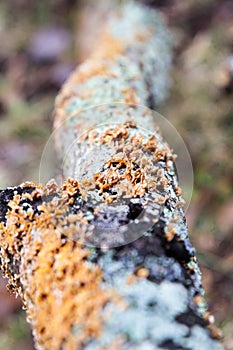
<point x="105" y="261"/>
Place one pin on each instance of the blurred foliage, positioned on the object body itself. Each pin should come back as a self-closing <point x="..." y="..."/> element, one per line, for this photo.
<point x="16" y="335"/>
<point x="200" y="106"/>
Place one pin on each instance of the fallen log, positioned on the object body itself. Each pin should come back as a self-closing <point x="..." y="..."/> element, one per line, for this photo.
<point x="105" y="261"/>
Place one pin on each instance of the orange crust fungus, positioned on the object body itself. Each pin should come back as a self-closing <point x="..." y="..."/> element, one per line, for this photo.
<point x="60" y="288"/>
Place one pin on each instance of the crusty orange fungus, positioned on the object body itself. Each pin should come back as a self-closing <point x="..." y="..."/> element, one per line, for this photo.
<point x="60" y="288"/>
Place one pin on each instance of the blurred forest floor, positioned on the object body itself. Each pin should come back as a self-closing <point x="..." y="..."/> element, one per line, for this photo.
<point x="39" y="50"/>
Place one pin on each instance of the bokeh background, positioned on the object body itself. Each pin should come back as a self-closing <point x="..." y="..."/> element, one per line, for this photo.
<point x="40" y="44"/>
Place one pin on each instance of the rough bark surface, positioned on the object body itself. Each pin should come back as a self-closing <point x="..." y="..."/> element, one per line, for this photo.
<point x="105" y="261"/>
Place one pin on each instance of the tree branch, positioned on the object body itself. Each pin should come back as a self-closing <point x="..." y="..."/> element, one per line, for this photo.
<point x="105" y="261"/>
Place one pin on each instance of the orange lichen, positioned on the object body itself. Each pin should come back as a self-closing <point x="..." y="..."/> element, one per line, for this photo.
<point x="198" y="299"/>
<point x="151" y="145"/>
<point x="175" y="219"/>
<point x="131" y="97"/>
<point x="179" y="203"/>
<point x="119" y="132"/>
<point x="215" y="332"/>
<point x="97" y="65"/>
<point x="133" y="170"/>
<point x="70" y="187"/>
<point x="87" y="71"/>
<point x="178" y="191"/>
<point x="142" y="36"/>
<point x="170" y="232"/>
<point x="118" y="170"/>
<point x="60" y="288"/>
<point x="111" y="47"/>
<point x="161" y="200"/>
<point x="143" y="272"/>
<point x="131" y="279"/>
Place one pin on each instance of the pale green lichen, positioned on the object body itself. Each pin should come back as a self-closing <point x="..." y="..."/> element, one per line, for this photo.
<point x="150" y="319"/>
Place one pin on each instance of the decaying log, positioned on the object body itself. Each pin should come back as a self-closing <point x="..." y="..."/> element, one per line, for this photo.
<point x="105" y="261"/>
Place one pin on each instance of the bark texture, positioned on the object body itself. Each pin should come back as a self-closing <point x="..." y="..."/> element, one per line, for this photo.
<point x="105" y="261"/>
